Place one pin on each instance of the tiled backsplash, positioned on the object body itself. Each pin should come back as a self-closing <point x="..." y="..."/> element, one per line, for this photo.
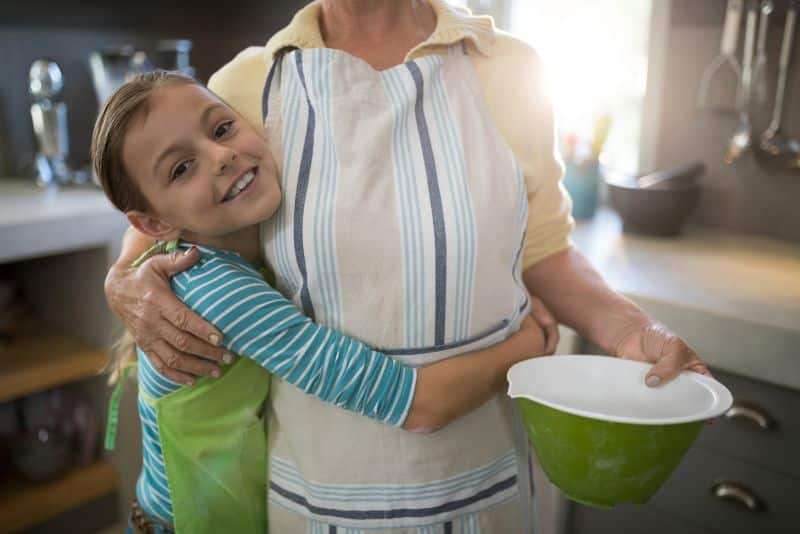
<point x="742" y="197"/>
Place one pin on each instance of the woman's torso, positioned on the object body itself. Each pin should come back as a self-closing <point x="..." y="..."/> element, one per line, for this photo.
<point x="402" y="224"/>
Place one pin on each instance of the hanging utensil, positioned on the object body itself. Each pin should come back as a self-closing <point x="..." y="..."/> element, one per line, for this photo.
<point x="777" y="150"/>
<point x="727" y="53"/>
<point x="760" y="64"/>
<point x="740" y="142"/>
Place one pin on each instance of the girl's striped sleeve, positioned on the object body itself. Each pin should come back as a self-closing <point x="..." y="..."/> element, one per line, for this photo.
<point x="259" y="323"/>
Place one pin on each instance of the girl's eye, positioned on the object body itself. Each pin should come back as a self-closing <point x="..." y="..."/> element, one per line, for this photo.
<point x="223" y="129"/>
<point x="180" y="169"/>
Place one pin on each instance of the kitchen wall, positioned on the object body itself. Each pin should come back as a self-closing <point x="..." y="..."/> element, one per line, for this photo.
<point x="66" y="31"/>
<point x="742" y="197"/>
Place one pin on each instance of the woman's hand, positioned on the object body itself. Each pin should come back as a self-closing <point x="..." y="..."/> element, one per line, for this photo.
<point x="163" y="327"/>
<point x="655" y="343"/>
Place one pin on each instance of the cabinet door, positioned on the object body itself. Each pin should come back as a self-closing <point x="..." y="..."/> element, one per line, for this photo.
<point x="775" y="447"/>
<point x="689" y="494"/>
<point x="627" y="519"/>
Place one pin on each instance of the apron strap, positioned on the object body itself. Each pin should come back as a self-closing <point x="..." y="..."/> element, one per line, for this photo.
<point x="159" y="247"/>
<point x="113" y="409"/>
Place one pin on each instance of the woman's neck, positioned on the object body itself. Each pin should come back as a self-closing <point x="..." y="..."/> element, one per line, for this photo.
<point x="244" y="242"/>
<point x="381" y="32"/>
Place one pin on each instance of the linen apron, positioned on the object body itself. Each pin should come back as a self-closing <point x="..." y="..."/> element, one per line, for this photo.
<point x="402" y="224"/>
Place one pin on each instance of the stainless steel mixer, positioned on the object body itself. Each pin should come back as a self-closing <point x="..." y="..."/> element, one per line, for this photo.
<point x="49" y="117"/>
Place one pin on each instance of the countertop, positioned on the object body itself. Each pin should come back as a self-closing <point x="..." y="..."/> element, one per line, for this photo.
<point x="41" y="222"/>
<point x="735" y="298"/>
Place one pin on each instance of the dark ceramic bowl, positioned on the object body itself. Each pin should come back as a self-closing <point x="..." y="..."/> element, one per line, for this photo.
<point x="662" y="208"/>
<point x="41" y="455"/>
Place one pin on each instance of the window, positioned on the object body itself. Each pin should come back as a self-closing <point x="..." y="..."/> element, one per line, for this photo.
<point x="596" y="55"/>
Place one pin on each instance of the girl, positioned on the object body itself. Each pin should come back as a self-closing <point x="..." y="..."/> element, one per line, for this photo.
<point x="186" y="170"/>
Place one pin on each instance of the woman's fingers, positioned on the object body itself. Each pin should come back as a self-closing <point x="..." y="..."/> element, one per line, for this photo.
<point x="170" y="358"/>
<point x="171" y="264"/>
<point x="657" y="344"/>
<point x="547" y="322"/>
<point x="176" y="312"/>
<point x="189" y="332"/>
<point x="163" y="370"/>
<point x="674" y="357"/>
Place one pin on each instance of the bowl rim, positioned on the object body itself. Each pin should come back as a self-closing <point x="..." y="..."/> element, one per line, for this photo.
<point x="723" y="399"/>
<point x="631" y="186"/>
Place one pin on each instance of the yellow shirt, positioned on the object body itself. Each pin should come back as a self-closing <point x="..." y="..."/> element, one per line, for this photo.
<point x="510" y="74"/>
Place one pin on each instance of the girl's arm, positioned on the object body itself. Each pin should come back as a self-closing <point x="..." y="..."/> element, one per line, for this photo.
<point x="451" y="388"/>
<point x="259" y="323"/>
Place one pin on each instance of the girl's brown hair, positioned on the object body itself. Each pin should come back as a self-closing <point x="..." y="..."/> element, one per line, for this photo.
<point x="129" y="103"/>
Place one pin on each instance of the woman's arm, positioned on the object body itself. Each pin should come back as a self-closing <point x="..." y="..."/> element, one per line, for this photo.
<point x="514" y="84"/>
<point x="260" y="324"/>
<point x="579" y="297"/>
<point x="162" y="326"/>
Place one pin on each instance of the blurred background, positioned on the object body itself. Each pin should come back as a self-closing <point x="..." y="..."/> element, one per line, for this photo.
<point x="672" y="208"/>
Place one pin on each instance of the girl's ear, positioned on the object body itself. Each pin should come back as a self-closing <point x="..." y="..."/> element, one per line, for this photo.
<point x="152" y="225"/>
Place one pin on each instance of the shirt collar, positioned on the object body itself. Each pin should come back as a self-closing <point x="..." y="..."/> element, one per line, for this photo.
<point x="453" y="24"/>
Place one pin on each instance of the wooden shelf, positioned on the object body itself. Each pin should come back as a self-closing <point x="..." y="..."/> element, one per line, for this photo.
<point x="24" y="504"/>
<point x="32" y="364"/>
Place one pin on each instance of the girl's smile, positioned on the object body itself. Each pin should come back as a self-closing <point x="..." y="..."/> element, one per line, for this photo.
<point x="241" y="185"/>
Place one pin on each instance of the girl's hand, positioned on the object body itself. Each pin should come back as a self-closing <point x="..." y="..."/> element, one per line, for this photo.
<point x="653" y="342"/>
<point x="455" y="386"/>
<point x="529" y="340"/>
<point x="162" y="326"/>
<point x="547" y="322"/>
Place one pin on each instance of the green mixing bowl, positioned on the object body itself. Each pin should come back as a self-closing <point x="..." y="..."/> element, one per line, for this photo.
<point x="601" y="434"/>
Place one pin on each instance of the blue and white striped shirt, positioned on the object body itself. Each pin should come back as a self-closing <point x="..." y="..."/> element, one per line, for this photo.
<point x="259" y="323"/>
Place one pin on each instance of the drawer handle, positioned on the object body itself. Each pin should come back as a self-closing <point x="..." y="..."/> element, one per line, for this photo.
<point x="750" y="412"/>
<point x="733" y="491"/>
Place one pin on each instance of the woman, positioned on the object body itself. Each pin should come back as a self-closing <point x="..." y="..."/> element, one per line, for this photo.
<point x="437" y="124"/>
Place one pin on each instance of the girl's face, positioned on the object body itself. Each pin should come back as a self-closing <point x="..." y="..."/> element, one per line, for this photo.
<point x="202" y="168"/>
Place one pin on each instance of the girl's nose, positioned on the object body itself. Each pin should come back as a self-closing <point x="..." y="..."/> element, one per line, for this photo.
<point x="226" y="159"/>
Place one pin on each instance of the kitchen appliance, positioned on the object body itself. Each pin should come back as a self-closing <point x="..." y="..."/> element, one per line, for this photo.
<point x="49" y="117"/>
<point x="601" y="434"/>
<point x="112" y="67"/>
<point x="659" y="203"/>
<point x="777" y="150"/>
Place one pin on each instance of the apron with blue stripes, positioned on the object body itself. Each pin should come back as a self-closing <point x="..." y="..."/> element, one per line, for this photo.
<point x="402" y="224"/>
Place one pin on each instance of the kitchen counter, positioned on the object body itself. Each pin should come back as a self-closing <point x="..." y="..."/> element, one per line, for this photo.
<point x="734" y="298"/>
<point x="42" y="222"/>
